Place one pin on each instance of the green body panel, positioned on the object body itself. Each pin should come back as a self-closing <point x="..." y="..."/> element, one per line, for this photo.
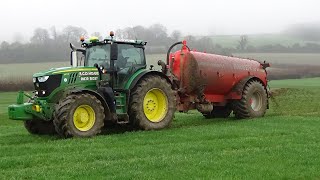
<point x="20" y="111"/>
<point x="121" y="103"/>
<point x="133" y="77"/>
<point x="121" y="97"/>
<point x="63" y="70"/>
<point x="72" y="78"/>
<point x="26" y="111"/>
<point x="80" y="77"/>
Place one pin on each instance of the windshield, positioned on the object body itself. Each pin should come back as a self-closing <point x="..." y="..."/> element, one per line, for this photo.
<point x="98" y="54"/>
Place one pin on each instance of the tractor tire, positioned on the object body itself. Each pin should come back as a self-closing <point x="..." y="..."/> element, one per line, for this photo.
<point x="152" y="103"/>
<point x="253" y="103"/>
<point x="79" y="115"/>
<point x="40" y="127"/>
<point x="219" y="112"/>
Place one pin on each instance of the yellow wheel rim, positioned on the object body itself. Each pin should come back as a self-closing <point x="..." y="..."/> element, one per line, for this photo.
<point x="155" y="105"/>
<point x="84" y="118"/>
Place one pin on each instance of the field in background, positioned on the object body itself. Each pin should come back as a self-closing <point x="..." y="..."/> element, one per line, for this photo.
<point x="284" y="58"/>
<point x="231" y="41"/>
<point x="21" y="72"/>
<point x="282" y="145"/>
<point x="296" y="83"/>
<point x="15" y="77"/>
<point x="18" y="72"/>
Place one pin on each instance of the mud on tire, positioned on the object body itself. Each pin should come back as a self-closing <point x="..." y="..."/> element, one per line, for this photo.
<point x="65" y="116"/>
<point x="40" y="127"/>
<point x="253" y="103"/>
<point x="150" y="95"/>
<point x="219" y="112"/>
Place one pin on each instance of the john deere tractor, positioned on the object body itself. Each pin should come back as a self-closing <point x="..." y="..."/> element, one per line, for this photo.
<point x="112" y="85"/>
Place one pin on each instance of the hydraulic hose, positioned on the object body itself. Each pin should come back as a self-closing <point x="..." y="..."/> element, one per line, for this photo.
<point x="171" y="47"/>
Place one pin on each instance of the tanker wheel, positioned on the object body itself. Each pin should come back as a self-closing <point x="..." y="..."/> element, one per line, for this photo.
<point x="40" y="127"/>
<point x="79" y="115"/>
<point x="253" y="103"/>
<point x="152" y="103"/>
<point x="219" y="112"/>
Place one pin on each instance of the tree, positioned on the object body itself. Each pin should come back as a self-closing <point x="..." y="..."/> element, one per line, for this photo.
<point x="191" y="41"/>
<point x="176" y="35"/>
<point x="40" y="36"/>
<point x="205" y="44"/>
<point x="4" y="45"/>
<point x="160" y="35"/>
<point x="73" y="33"/>
<point x="54" y="33"/>
<point x="243" y="42"/>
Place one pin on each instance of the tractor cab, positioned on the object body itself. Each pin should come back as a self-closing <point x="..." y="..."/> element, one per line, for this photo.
<point x="116" y="59"/>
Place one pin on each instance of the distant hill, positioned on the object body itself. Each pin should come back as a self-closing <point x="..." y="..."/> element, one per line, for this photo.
<point x="231" y="41"/>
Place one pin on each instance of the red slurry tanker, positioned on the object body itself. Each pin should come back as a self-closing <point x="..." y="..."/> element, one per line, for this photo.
<point x="112" y="84"/>
<point x="217" y="85"/>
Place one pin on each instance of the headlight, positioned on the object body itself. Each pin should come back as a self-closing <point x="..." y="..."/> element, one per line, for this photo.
<point x="43" y="78"/>
<point x="34" y="80"/>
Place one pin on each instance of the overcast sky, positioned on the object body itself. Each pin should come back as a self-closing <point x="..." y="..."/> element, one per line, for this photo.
<point x="200" y="17"/>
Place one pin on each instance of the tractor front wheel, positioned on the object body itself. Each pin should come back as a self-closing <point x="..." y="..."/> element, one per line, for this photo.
<point x="152" y="103"/>
<point x="253" y="103"/>
<point x="79" y="115"/>
<point x="40" y="127"/>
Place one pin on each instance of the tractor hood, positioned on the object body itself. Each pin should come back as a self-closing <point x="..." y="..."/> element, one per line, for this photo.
<point x="64" y="70"/>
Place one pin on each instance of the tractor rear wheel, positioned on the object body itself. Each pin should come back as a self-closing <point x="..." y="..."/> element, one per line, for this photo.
<point x="40" y="127"/>
<point x="152" y="103"/>
<point x="219" y="112"/>
<point x="79" y="115"/>
<point x="253" y="103"/>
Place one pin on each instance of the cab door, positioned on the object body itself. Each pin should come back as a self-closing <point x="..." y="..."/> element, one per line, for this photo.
<point x="130" y="59"/>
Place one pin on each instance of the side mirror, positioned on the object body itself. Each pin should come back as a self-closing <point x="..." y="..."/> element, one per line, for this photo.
<point x="74" y="59"/>
<point x="114" y="51"/>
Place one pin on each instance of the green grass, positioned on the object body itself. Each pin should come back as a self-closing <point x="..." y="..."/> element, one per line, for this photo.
<point x="296" y="83"/>
<point x="282" y="145"/>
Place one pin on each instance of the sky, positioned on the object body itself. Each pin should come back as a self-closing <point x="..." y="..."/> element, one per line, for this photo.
<point x="19" y="18"/>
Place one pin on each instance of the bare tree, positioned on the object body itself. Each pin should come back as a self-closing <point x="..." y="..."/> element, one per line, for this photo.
<point x="54" y="33"/>
<point x="176" y="35"/>
<point x="4" y="45"/>
<point x="205" y="44"/>
<point x="40" y="36"/>
<point x="73" y="33"/>
<point x="243" y="42"/>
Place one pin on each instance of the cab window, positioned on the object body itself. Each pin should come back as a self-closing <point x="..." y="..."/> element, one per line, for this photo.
<point x="98" y="54"/>
<point x="129" y="55"/>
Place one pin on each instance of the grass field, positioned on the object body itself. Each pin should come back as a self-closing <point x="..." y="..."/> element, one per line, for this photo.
<point x="256" y="40"/>
<point x="282" y="145"/>
<point x="284" y="58"/>
<point x="296" y="83"/>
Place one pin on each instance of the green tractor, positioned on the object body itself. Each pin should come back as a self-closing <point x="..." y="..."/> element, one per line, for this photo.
<point x="112" y="85"/>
